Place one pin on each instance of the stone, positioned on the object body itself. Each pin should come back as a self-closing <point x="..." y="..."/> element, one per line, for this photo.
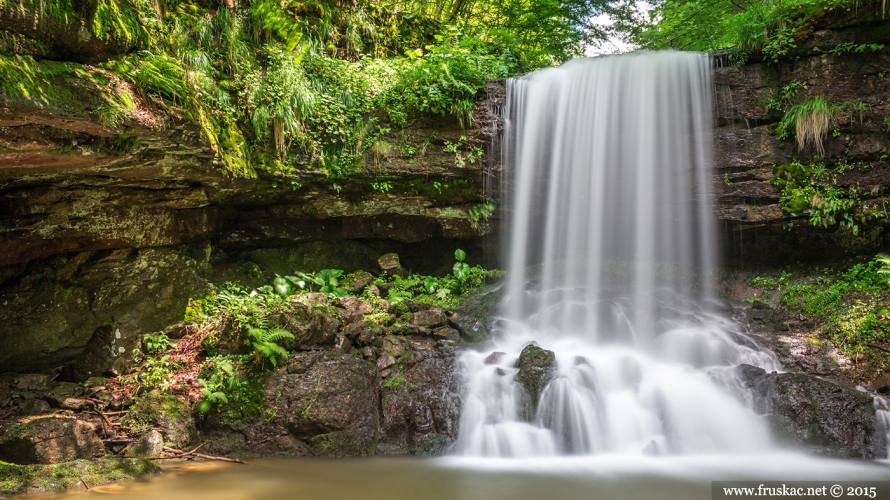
<point x="393" y="345"/>
<point x="75" y="404"/>
<point x="430" y="318"/>
<point x="150" y="444"/>
<point x="165" y="413"/>
<point x="49" y="440"/>
<point x="32" y="382"/>
<point x="312" y="327"/>
<point x="421" y="405"/>
<point x="353" y="309"/>
<point x="93" y="382"/>
<point x="366" y="337"/>
<point x="494" y="358"/>
<point x="18" y="479"/>
<point x="34" y="407"/>
<point x="470" y="328"/>
<point x="52" y="316"/>
<point x="446" y="333"/>
<point x="181" y="329"/>
<point x="381" y="290"/>
<point x="356" y="282"/>
<point x="537" y="367"/>
<point x="67" y="389"/>
<point x="822" y="416"/>
<point x="353" y="330"/>
<point x="385" y="361"/>
<point x="323" y="404"/>
<point x="105" y="346"/>
<point x="390" y="265"/>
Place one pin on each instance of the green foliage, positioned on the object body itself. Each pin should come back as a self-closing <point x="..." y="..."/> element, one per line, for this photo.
<point x="771" y="28"/>
<point x="851" y="304"/>
<point x="843" y="48"/>
<point x="810" y="119"/>
<point x="154" y="372"/>
<point x="287" y="85"/>
<point x="326" y="280"/>
<point x="442" y="291"/>
<point x="231" y="387"/>
<point x="152" y="344"/>
<point x="482" y="211"/>
<point x="812" y="190"/>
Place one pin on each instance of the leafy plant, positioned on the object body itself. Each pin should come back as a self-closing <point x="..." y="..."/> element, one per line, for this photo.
<point x="482" y="211"/>
<point x="152" y="344"/>
<point x="326" y="280"/>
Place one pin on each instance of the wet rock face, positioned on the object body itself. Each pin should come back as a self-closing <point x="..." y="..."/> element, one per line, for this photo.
<point x="821" y="416"/>
<point x="747" y="149"/>
<point x="421" y="405"/>
<point x="60" y="305"/>
<point x="49" y="440"/>
<point x="537" y="367"/>
<point x="321" y="403"/>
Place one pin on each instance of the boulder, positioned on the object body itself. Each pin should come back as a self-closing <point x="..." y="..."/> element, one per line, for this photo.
<point x="15" y="479"/>
<point x="321" y="404"/>
<point x="356" y="282"/>
<point x="165" y="413"/>
<point x="429" y="318"/>
<point x="537" y="367"/>
<point x="822" y="416"/>
<point x="105" y="346"/>
<point x="390" y="265"/>
<point x="181" y="329"/>
<point x="313" y="327"/>
<point x="470" y="328"/>
<point x="150" y="444"/>
<point x="32" y="382"/>
<point x="421" y="404"/>
<point x="49" y="440"/>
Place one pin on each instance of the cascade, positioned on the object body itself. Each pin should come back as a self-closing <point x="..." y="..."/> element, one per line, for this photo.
<point x="610" y="251"/>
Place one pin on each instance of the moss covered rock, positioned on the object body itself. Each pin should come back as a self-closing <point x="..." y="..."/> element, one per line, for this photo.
<point x="537" y="367"/>
<point x="163" y="412"/>
<point x="15" y="479"/>
<point x="49" y="440"/>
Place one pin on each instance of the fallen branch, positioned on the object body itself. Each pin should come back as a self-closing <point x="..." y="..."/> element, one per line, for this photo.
<point x="194" y="453"/>
<point x="85" y="484"/>
<point x="108" y="413"/>
<point x="879" y="347"/>
<point x="186" y="453"/>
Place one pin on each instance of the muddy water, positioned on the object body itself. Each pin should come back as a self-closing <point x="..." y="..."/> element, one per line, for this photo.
<point x="600" y="477"/>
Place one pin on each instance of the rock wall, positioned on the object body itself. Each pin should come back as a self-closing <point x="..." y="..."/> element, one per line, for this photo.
<point x="119" y="225"/>
<point x="748" y="152"/>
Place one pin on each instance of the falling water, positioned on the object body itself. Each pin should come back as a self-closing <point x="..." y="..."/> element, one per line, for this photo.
<point x="610" y="249"/>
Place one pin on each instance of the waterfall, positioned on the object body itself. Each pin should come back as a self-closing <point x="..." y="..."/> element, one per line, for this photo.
<point x="610" y="251"/>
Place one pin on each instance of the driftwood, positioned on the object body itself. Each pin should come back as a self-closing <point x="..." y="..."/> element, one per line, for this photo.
<point x="194" y="453"/>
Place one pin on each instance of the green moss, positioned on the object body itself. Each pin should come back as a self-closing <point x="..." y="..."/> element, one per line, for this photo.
<point x="394" y="382"/>
<point x="16" y="479"/>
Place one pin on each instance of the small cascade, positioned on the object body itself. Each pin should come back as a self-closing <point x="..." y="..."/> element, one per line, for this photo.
<point x="610" y="340"/>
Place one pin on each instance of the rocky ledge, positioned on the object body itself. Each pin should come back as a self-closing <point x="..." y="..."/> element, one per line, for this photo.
<point x="362" y="376"/>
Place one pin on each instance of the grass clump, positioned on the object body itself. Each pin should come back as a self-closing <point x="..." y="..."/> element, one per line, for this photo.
<point x="811" y="120"/>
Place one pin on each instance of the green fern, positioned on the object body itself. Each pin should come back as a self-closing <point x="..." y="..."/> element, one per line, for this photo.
<point x="265" y="342"/>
